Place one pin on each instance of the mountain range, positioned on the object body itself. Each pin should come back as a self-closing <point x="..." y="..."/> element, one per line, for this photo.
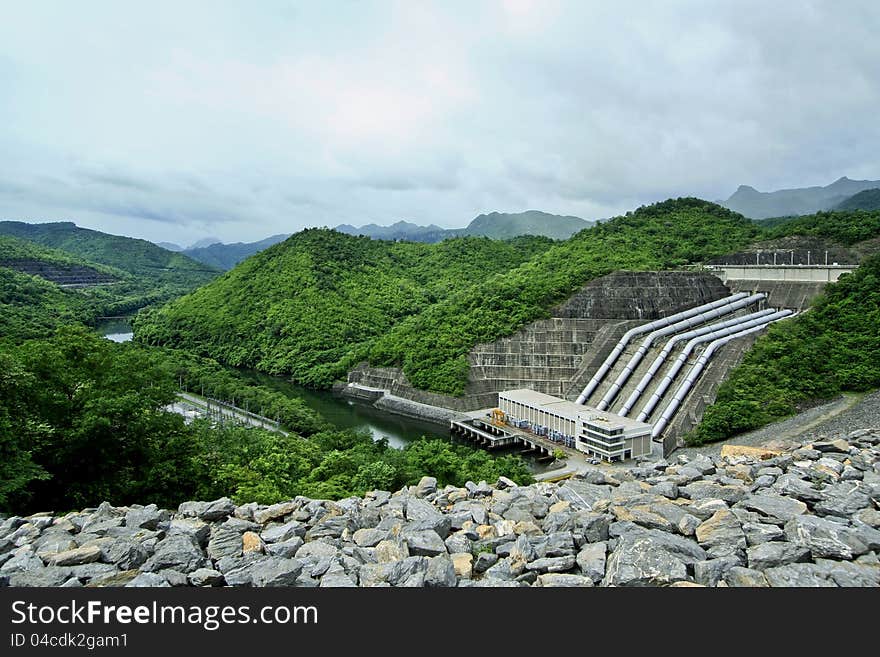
<point x="495" y="225"/>
<point x="799" y="201"/>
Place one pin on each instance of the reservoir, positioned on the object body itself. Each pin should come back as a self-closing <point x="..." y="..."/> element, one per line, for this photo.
<point x="341" y="412"/>
<point x="117" y="329"/>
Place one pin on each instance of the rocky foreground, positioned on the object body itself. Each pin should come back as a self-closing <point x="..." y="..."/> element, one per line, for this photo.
<point x="805" y="515"/>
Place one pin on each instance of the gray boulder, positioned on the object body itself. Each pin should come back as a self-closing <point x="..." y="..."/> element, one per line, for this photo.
<point x="773" y="554"/>
<point x="276" y="571"/>
<point x="824" y="537"/>
<point x="799" y="575"/>
<point x="176" y="551"/>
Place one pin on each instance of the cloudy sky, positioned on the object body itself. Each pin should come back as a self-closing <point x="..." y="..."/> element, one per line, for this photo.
<point x="178" y="120"/>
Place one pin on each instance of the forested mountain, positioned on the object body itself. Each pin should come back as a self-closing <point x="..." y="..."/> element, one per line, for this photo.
<point x="226" y="256"/>
<point x="318" y="303"/>
<point x="52" y="275"/>
<point x="314" y="304"/>
<point x="496" y="225"/>
<point x="866" y="200"/>
<point x="788" y="202"/>
<point x="174" y="273"/>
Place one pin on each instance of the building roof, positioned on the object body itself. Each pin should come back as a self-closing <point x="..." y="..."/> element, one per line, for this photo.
<point x="572" y="410"/>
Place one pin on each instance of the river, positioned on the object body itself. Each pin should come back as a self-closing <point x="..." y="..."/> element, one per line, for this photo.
<point x="339" y="411"/>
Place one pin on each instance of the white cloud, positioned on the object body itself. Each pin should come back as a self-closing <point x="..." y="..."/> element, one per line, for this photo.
<point x="172" y="120"/>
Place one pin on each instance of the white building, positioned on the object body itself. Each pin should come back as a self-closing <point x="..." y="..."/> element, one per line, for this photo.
<point x="598" y="433"/>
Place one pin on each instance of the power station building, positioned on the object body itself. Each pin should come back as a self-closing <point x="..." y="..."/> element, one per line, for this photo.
<point x="598" y="433"/>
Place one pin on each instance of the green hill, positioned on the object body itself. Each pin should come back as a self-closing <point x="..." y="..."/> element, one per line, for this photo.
<point x="314" y="304"/>
<point x="866" y="200"/>
<point x="173" y="273"/>
<point x="56" y="274"/>
<point x="318" y="303"/>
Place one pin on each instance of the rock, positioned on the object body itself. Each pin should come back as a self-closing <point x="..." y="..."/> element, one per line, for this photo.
<point x="40" y="577"/>
<point x="441" y="572"/>
<point x="761" y="532"/>
<point x="642" y="515"/>
<point x="462" y="562"/>
<point x="775" y="507"/>
<point x="745" y="577"/>
<point x="838" y="445"/>
<point x="705" y="508"/>
<point x="773" y="554"/>
<point x="287" y="548"/>
<point x="174" y="577"/>
<point x="844" y="499"/>
<point x="552" y="564"/>
<point x="504" y="482"/>
<point x="198" y="529"/>
<point x="336" y="577"/>
<point x="409" y="572"/>
<point x="711" y="571"/>
<point x="824" y="537"/>
<point x="688" y="524"/>
<point x="284" y="532"/>
<point x="251" y="542"/>
<point x="723" y="528"/>
<point x="206" y="577"/>
<point x="591" y="561"/>
<point x="870" y="517"/>
<point x="848" y="574"/>
<point x="147" y="517"/>
<point x="560" y="580"/>
<point x="273" y="512"/>
<point x="276" y="571"/>
<point x="74" y="557"/>
<point x="791" y="485"/>
<point x="224" y="543"/>
<point x="94" y="570"/>
<point x="330" y="526"/>
<point x="581" y="494"/>
<point x="392" y="550"/>
<point x="424" y="543"/>
<point x="700" y="490"/>
<point x="147" y="580"/>
<point x="207" y="511"/>
<point x="799" y="575"/>
<point x="316" y="549"/>
<point x="484" y="561"/>
<point x="591" y="527"/>
<point x="117" y="579"/>
<point x="666" y="489"/>
<point x="426" y="486"/>
<point x="369" y="537"/>
<point x="637" y="562"/>
<point x="176" y="551"/>
<point x="242" y="525"/>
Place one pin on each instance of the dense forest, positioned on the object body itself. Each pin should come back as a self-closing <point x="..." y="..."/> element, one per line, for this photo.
<point x="834" y="347"/>
<point x="133" y="274"/>
<point x="163" y="274"/>
<point x="312" y="306"/>
<point x="82" y="420"/>
<point x="318" y="303"/>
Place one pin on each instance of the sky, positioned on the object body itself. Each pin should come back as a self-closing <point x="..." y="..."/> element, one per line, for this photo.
<point x="181" y="120"/>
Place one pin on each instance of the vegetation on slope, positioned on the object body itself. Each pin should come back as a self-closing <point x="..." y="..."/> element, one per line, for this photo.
<point x="833" y="347"/>
<point x="845" y="228"/>
<point x="168" y="273"/>
<point x="315" y="305"/>
<point x="866" y="200"/>
<point x="312" y="306"/>
<point x="82" y="420"/>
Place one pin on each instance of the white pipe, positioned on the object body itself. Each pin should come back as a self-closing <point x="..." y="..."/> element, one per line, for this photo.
<point x="675" y="368"/>
<point x="697" y="369"/>
<point x="684" y="324"/>
<point x="670" y="346"/>
<point x="645" y="328"/>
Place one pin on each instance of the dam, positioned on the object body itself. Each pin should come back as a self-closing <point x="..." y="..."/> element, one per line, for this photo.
<point x="652" y="347"/>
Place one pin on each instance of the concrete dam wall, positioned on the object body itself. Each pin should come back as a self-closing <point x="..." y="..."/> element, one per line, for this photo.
<point x="558" y="355"/>
<point x="553" y="355"/>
